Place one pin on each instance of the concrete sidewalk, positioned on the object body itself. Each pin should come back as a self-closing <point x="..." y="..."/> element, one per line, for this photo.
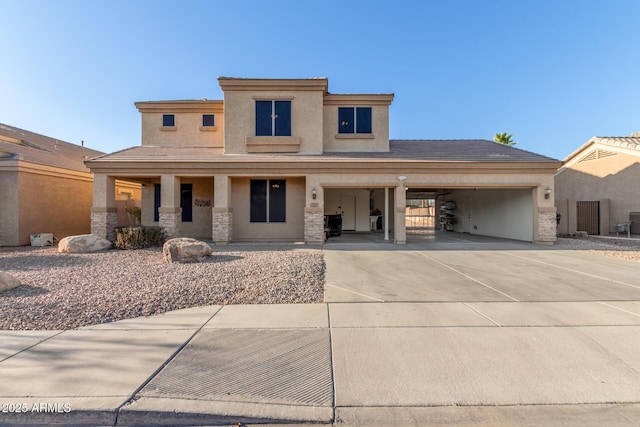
<point x="413" y="363"/>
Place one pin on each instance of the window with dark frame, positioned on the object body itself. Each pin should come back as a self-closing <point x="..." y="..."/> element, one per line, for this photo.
<point x="208" y="120"/>
<point x="156" y="202"/>
<point x="355" y="120"/>
<point x="168" y="120"/>
<point x="273" y="118"/>
<point x="186" y="202"/>
<point x="268" y="200"/>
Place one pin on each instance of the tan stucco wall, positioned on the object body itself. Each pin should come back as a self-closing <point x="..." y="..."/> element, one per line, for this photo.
<point x="50" y="204"/>
<point x="127" y="194"/>
<point x="306" y="118"/>
<point x="613" y="177"/>
<point x="200" y="227"/>
<point x="188" y="130"/>
<point x="9" y="199"/>
<point x="378" y="140"/>
<point x="506" y="213"/>
<point x="292" y="229"/>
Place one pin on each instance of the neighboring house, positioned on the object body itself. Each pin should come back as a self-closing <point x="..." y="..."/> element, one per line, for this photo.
<point x="268" y="162"/>
<point x="45" y="187"/>
<point x="598" y="186"/>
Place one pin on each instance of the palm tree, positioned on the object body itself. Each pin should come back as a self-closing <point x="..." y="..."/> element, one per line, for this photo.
<point x="505" y="139"/>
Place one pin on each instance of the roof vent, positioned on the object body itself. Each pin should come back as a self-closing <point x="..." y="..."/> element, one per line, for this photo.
<point x="591" y="156"/>
<point x="605" y="153"/>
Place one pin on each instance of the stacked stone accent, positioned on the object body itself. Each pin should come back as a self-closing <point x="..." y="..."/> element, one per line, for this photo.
<point x="103" y="222"/>
<point x="314" y="225"/>
<point x="222" y="225"/>
<point x="171" y="221"/>
<point x="547" y="225"/>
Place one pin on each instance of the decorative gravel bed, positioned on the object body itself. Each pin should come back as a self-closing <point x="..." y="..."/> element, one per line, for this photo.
<point x="628" y="249"/>
<point x="65" y="291"/>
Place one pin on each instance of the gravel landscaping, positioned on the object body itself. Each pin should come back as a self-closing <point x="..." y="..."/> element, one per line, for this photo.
<point x="628" y="249"/>
<point x="65" y="291"/>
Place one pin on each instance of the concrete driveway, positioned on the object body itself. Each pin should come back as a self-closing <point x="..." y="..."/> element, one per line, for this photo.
<point x="476" y="270"/>
<point x="483" y="332"/>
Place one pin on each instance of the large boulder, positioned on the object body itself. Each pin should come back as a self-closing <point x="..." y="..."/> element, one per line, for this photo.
<point x="83" y="243"/>
<point x="7" y="281"/>
<point x="185" y="249"/>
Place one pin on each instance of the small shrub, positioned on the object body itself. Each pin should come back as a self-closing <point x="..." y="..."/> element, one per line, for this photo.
<point x="139" y="237"/>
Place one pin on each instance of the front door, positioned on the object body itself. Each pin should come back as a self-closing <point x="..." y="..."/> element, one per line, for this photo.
<point x="348" y="210"/>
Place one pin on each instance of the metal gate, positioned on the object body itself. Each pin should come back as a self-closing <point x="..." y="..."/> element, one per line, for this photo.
<point x="588" y="216"/>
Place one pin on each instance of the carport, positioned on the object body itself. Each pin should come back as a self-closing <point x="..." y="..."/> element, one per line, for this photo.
<point x="502" y="212"/>
<point x="496" y="212"/>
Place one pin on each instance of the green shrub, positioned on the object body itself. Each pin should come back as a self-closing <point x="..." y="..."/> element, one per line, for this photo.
<point x="139" y="237"/>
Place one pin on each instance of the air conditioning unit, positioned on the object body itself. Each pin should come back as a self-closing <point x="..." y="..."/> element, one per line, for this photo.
<point x="42" y="239"/>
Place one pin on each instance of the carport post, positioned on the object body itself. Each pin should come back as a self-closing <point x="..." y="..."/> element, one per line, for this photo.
<point x="386" y="213"/>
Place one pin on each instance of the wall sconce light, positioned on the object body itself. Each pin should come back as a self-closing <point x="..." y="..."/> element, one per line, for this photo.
<point x="547" y="193"/>
<point x="314" y="194"/>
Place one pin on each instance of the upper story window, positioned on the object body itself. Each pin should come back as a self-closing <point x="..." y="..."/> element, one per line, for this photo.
<point x="354" y="120"/>
<point x="208" y="120"/>
<point x="273" y="118"/>
<point x="168" y="120"/>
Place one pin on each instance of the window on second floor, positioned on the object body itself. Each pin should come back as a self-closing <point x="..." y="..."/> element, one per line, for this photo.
<point x="354" y="120"/>
<point x="208" y="120"/>
<point x="273" y="118"/>
<point x="168" y="120"/>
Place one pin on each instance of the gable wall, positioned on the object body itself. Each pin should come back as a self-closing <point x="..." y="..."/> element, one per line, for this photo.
<point x="613" y="178"/>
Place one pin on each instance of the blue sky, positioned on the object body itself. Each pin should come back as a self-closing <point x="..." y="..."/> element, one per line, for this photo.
<point x="552" y="73"/>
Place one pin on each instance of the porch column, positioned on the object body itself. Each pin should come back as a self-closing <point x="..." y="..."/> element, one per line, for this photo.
<point x="544" y="226"/>
<point x="399" y="226"/>
<point x="104" y="214"/>
<point x="314" y="213"/>
<point x="222" y="214"/>
<point x="170" y="212"/>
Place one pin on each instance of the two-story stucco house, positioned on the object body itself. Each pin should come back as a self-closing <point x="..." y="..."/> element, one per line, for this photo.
<point x="276" y="155"/>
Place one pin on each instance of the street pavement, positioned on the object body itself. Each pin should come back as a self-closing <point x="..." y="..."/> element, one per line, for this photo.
<point x="504" y="334"/>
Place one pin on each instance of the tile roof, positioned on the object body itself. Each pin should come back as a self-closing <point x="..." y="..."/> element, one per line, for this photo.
<point x="631" y="142"/>
<point x="400" y="150"/>
<point x="31" y="147"/>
